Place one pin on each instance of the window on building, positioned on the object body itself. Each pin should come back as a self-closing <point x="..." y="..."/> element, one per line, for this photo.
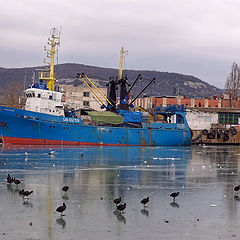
<point x="39" y="95"/>
<point x="50" y="97"/>
<point x="228" y="118"/>
<point x="86" y="94"/>
<point x="86" y="103"/>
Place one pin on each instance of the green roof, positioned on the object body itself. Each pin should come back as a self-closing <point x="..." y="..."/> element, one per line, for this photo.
<point x="105" y="117"/>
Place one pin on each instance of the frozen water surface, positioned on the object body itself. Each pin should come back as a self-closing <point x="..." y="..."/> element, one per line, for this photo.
<point x="205" y="176"/>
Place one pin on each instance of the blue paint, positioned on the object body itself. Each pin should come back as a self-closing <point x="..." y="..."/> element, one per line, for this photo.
<point x="17" y="123"/>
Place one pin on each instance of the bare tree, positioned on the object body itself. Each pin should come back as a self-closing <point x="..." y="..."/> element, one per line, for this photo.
<point x="232" y="84"/>
<point x="11" y="93"/>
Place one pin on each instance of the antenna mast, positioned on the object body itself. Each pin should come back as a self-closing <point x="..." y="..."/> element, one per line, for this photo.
<point x="48" y="74"/>
<point x="122" y="52"/>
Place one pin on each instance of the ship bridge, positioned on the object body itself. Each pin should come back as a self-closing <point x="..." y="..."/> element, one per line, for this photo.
<point x="45" y="96"/>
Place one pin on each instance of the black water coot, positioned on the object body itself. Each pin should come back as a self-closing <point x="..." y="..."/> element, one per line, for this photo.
<point x="65" y="188"/>
<point x="9" y="179"/>
<point x="117" y="200"/>
<point x="27" y="193"/>
<point x="61" y="208"/>
<point x="145" y="201"/>
<point x="121" y="207"/>
<point x="237" y="188"/>
<point x="174" y="195"/>
<point x="16" y="181"/>
<point x="21" y="192"/>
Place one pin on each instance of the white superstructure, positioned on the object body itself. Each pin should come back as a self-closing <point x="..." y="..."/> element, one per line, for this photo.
<point x="44" y="101"/>
<point x="45" y="96"/>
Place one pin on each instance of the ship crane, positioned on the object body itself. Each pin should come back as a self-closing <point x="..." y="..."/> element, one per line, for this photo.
<point x="150" y="82"/>
<point x="111" y="96"/>
<point x="87" y="80"/>
<point x="122" y="82"/>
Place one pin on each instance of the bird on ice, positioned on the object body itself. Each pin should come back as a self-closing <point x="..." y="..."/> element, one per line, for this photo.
<point x="121" y="207"/>
<point x="145" y="201"/>
<point x="174" y="195"/>
<point x="65" y="188"/>
<point x="61" y="209"/>
<point x="117" y="201"/>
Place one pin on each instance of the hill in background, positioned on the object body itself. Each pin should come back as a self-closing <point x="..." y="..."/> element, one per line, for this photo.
<point x="166" y="83"/>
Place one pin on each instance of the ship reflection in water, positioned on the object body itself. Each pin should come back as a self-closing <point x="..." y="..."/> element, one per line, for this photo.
<point x="205" y="176"/>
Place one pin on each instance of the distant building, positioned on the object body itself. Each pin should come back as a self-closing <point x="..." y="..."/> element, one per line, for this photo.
<point x="165" y="101"/>
<point x="201" y="113"/>
<point x="81" y="98"/>
<point x="207" y="102"/>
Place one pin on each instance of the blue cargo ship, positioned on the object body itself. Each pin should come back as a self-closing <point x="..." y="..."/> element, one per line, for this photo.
<point x="45" y="121"/>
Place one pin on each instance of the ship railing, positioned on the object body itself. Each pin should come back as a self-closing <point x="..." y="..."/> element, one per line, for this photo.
<point x="45" y="75"/>
<point x="43" y="86"/>
<point x="170" y="109"/>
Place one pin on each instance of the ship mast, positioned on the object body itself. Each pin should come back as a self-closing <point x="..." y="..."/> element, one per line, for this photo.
<point x="48" y="74"/>
<point x="121" y="62"/>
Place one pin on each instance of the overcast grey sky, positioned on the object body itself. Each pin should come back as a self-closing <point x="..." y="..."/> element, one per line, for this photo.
<point x="193" y="37"/>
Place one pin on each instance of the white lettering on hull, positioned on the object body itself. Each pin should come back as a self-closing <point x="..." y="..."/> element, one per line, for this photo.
<point x="71" y="120"/>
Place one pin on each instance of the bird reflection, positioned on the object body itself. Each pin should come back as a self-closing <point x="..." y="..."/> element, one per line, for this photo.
<point x="16" y="190"/>
<point x="174" y="204"/>
<point x="27" y="203"/>
<point x="236" y="197"/>
<point x="121" y="218"/>
<point x="65" y="197"/>
<point x="145" y="212"/>
<point x="61" y="222"/>
<point x="10" y="187"/>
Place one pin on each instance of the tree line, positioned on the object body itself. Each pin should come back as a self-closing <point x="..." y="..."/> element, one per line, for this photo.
<point x="232" y="84"/>
<point x="11" y="95"/>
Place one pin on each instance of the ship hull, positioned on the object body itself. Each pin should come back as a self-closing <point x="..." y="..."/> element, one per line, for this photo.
<point x="31" y="128"/>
